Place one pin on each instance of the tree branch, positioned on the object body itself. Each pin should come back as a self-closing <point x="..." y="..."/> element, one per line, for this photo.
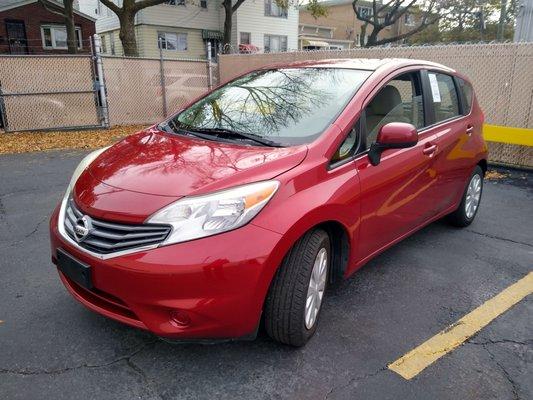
<point x="139" y="5"/>
<point x="420" y="27"/>
<point x="112" y="6"/>
<point x="237" y="5"/>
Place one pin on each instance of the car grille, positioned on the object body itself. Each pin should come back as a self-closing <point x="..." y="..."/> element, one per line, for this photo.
<point x="106" y="237"/>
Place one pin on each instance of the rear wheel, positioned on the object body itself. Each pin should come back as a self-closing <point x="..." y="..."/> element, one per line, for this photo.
<point x="295" y="298"/>
<point x="467" y="210"/>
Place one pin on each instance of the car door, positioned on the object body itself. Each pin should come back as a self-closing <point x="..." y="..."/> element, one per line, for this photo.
<point x="453" y="127"/>
<point x="395" y="195"/>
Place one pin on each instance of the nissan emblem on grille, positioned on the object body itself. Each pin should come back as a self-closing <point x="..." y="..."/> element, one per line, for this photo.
<point x="82" y="228"/>
<point x="108" y="237"/>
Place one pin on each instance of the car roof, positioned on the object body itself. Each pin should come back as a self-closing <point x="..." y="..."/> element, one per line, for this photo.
<point x="369" y="64"/>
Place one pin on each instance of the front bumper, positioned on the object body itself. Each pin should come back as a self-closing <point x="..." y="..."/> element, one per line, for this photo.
<point x="215" y="286"/>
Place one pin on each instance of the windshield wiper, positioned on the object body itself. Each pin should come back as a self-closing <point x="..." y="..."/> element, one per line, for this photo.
<point x="171" y="127"/>
<point x="229" y="132"/>
<point x="209" y="133"/>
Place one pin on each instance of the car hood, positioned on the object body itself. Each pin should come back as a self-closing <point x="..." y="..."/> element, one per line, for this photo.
<point x="158" y="163"/>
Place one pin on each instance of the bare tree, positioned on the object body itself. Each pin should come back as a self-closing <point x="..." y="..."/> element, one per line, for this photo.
<point x="230" y="7"/>
<point x="229" y="10"/>
<point x="67" y="12"/>
<point x="388" y="13"/>
<point x="126" y="16"/>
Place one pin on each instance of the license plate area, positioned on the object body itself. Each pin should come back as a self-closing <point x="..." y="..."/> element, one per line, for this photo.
<point x="74" y="269"/>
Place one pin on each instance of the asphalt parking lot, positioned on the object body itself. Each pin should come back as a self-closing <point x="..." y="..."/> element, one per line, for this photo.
<point x="51" y="347"/>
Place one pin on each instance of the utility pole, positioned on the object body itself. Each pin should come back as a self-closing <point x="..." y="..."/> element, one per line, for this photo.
<point x="524" y="22"/>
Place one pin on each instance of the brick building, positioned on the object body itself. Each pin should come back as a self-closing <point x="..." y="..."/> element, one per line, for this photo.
<point x="27" y="27"/>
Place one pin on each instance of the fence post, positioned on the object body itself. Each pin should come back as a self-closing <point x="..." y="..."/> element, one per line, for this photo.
<point x="162" y="76"/>
<point x="101" y="80"/>
<point x="209" y="67"/>
<point x="3" y="115"/>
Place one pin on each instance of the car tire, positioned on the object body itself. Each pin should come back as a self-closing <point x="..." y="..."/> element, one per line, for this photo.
<point x="465" y="214"/>
<point x="288" y="316"/>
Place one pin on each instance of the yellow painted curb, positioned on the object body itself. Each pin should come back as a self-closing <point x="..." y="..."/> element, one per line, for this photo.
<point x="508" y="134"/>
<point x="412" y="363"/>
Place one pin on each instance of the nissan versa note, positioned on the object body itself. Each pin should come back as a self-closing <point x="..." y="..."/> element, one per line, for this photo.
<point x="245" y="205"/>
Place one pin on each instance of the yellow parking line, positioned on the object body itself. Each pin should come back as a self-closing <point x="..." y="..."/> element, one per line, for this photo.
<point x="412" y="363"/>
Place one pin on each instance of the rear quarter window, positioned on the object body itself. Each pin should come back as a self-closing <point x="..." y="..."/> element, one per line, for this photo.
<point x="467" y="93"/>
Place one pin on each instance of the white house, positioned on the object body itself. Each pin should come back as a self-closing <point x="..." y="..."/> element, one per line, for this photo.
<point x="184" y="27"/>
<point x="89" y="7"/>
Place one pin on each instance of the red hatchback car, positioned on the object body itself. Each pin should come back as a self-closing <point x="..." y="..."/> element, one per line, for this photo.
<point x="247" y="203"/>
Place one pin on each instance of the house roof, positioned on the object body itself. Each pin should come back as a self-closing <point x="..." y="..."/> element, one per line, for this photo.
<point x="9" y="4"/>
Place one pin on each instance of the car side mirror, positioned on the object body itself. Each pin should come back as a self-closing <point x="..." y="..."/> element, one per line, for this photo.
<point x="394" y="135"/>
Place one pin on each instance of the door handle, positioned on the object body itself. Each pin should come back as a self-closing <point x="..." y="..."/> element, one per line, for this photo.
<point x="469" y="130"/>
<point x="430" y="150"/>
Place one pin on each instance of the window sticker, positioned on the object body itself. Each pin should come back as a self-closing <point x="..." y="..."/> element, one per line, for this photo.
<point x="434" y="88"/>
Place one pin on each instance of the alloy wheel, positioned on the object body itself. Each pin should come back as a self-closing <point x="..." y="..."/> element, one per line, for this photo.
<point x="315" y="290"/>
<point x="473" y="195"/>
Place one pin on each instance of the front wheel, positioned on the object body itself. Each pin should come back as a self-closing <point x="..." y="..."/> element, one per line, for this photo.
<point x="295" y="297"/>
<point x="467" y="210"/>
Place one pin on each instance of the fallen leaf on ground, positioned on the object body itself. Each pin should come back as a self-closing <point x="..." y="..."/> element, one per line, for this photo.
<point x="25" y="142"/>
<point x="494" y="175"/>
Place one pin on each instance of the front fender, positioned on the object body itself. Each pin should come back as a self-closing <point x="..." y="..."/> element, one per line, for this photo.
<point x="302" y="204"/>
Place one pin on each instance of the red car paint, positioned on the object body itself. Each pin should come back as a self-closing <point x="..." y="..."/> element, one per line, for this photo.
<point x="219" y="283"/>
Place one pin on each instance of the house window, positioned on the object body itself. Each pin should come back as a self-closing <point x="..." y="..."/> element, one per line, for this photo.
<point x="245" y="38"/>
<point x="112" y="42"/>
<point x="103" y="42"/>
<point x="172" y="41"/>
<point x="203" y="3"/>
<point x="364" y="11"/>
<point x="175" y="2"/>
<point x="273" y="10"/>
<point x="409" y="19"/>
<point x="55" y="37"/>
<point x="275" y="43"/>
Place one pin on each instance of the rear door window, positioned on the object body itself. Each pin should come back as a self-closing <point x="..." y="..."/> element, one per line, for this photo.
<point x="443" y="96"/>
<point x="466" y="91"/>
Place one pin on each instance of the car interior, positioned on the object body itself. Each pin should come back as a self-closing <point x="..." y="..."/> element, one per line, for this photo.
<point x="399" y="101"/>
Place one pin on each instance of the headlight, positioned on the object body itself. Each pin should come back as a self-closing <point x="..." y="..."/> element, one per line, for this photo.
<point x="200" y="216"/>
<point x="89" y="158"/>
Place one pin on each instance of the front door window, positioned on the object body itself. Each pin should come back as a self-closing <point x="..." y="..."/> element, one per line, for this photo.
<point x="398" y="101"/>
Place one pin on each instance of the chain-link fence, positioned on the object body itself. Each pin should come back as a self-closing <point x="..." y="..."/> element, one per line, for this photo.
<point x="47" y="92"/>
<point x="147" y="90"/>
<point x="67" y="92"/>
<point x="502" y="75"/>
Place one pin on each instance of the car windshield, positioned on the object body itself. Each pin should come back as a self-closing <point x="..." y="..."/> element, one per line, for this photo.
<point x="285" y="107"/>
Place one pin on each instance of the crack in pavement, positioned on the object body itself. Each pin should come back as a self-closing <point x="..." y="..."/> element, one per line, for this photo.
<point x="27" y="235"/>
<point x="29" y="372"/>
<point x="514" y="385"/>
<point x="527" y="342"/>
<point x="498" y="237"/>
<point x="144" y="377"/>
<point x="356" y="379"/>
<point x="36" y="227"/>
